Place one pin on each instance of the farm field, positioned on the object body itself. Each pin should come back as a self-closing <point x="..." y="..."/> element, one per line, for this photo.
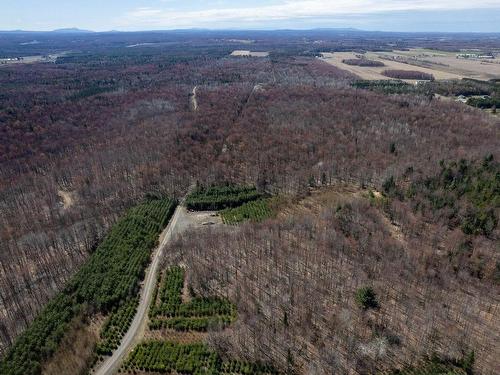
<point x="447" y="62"/>
<point x="375" y="72"/>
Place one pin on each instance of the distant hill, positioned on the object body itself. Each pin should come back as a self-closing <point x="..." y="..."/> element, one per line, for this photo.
<point x="72" y="30"/>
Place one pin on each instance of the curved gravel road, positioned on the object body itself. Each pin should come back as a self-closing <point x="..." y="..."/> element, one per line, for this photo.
<point x="177" y="224"/>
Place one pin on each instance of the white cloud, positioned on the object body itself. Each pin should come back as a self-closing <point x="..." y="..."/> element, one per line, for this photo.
<point x="146" y="12"/>
<point x="287" y="9"/>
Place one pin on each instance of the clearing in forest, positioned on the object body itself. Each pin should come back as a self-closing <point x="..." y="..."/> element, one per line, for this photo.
<point x="241" y="53"/>
<point x="67" y="198"/>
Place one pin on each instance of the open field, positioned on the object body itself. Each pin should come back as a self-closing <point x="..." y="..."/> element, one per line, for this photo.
<point x="32" y="59"/>
<point x="441" y="64"/>
<point x="375" y="72"/>
<point x="240" y="53"/>
<point x="447" y="62"/>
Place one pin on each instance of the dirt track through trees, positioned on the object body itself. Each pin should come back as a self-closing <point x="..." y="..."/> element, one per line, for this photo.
<point x="180" y="222"/>
<point x="194" y="100"/>
<point x="137" y="328"/>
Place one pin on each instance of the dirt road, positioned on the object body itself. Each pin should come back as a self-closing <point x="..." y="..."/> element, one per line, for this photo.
<point x="194" y="100"/>
<point x="177" y="224"/>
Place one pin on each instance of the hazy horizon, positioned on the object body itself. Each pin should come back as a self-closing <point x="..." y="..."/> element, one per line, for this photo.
<point x="154" y="15"/>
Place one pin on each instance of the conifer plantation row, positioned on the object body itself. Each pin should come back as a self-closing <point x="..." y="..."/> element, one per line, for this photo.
<point x="106" y="282"/>
<point x="198" y="314"/>
<point x="171" y="308"/>
<point x="168" y="357"/>
<point x="221" y="197"/>
<point x="116" y="326"/>
<point x="256" y="211"/>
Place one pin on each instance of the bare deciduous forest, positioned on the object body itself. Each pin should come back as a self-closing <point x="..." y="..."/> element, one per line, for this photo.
<point x="85" y="138"/>
<point x="294" y="280"/>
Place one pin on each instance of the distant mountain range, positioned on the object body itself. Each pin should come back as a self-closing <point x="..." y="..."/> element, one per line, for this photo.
<point x="71" y="30"/>
<point x="74" y="30"/>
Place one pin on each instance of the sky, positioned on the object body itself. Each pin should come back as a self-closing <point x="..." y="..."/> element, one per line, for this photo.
<point x="135" y="15"/>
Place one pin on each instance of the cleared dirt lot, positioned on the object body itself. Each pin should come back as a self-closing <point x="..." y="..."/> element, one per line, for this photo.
<point x="375" y="72"/>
